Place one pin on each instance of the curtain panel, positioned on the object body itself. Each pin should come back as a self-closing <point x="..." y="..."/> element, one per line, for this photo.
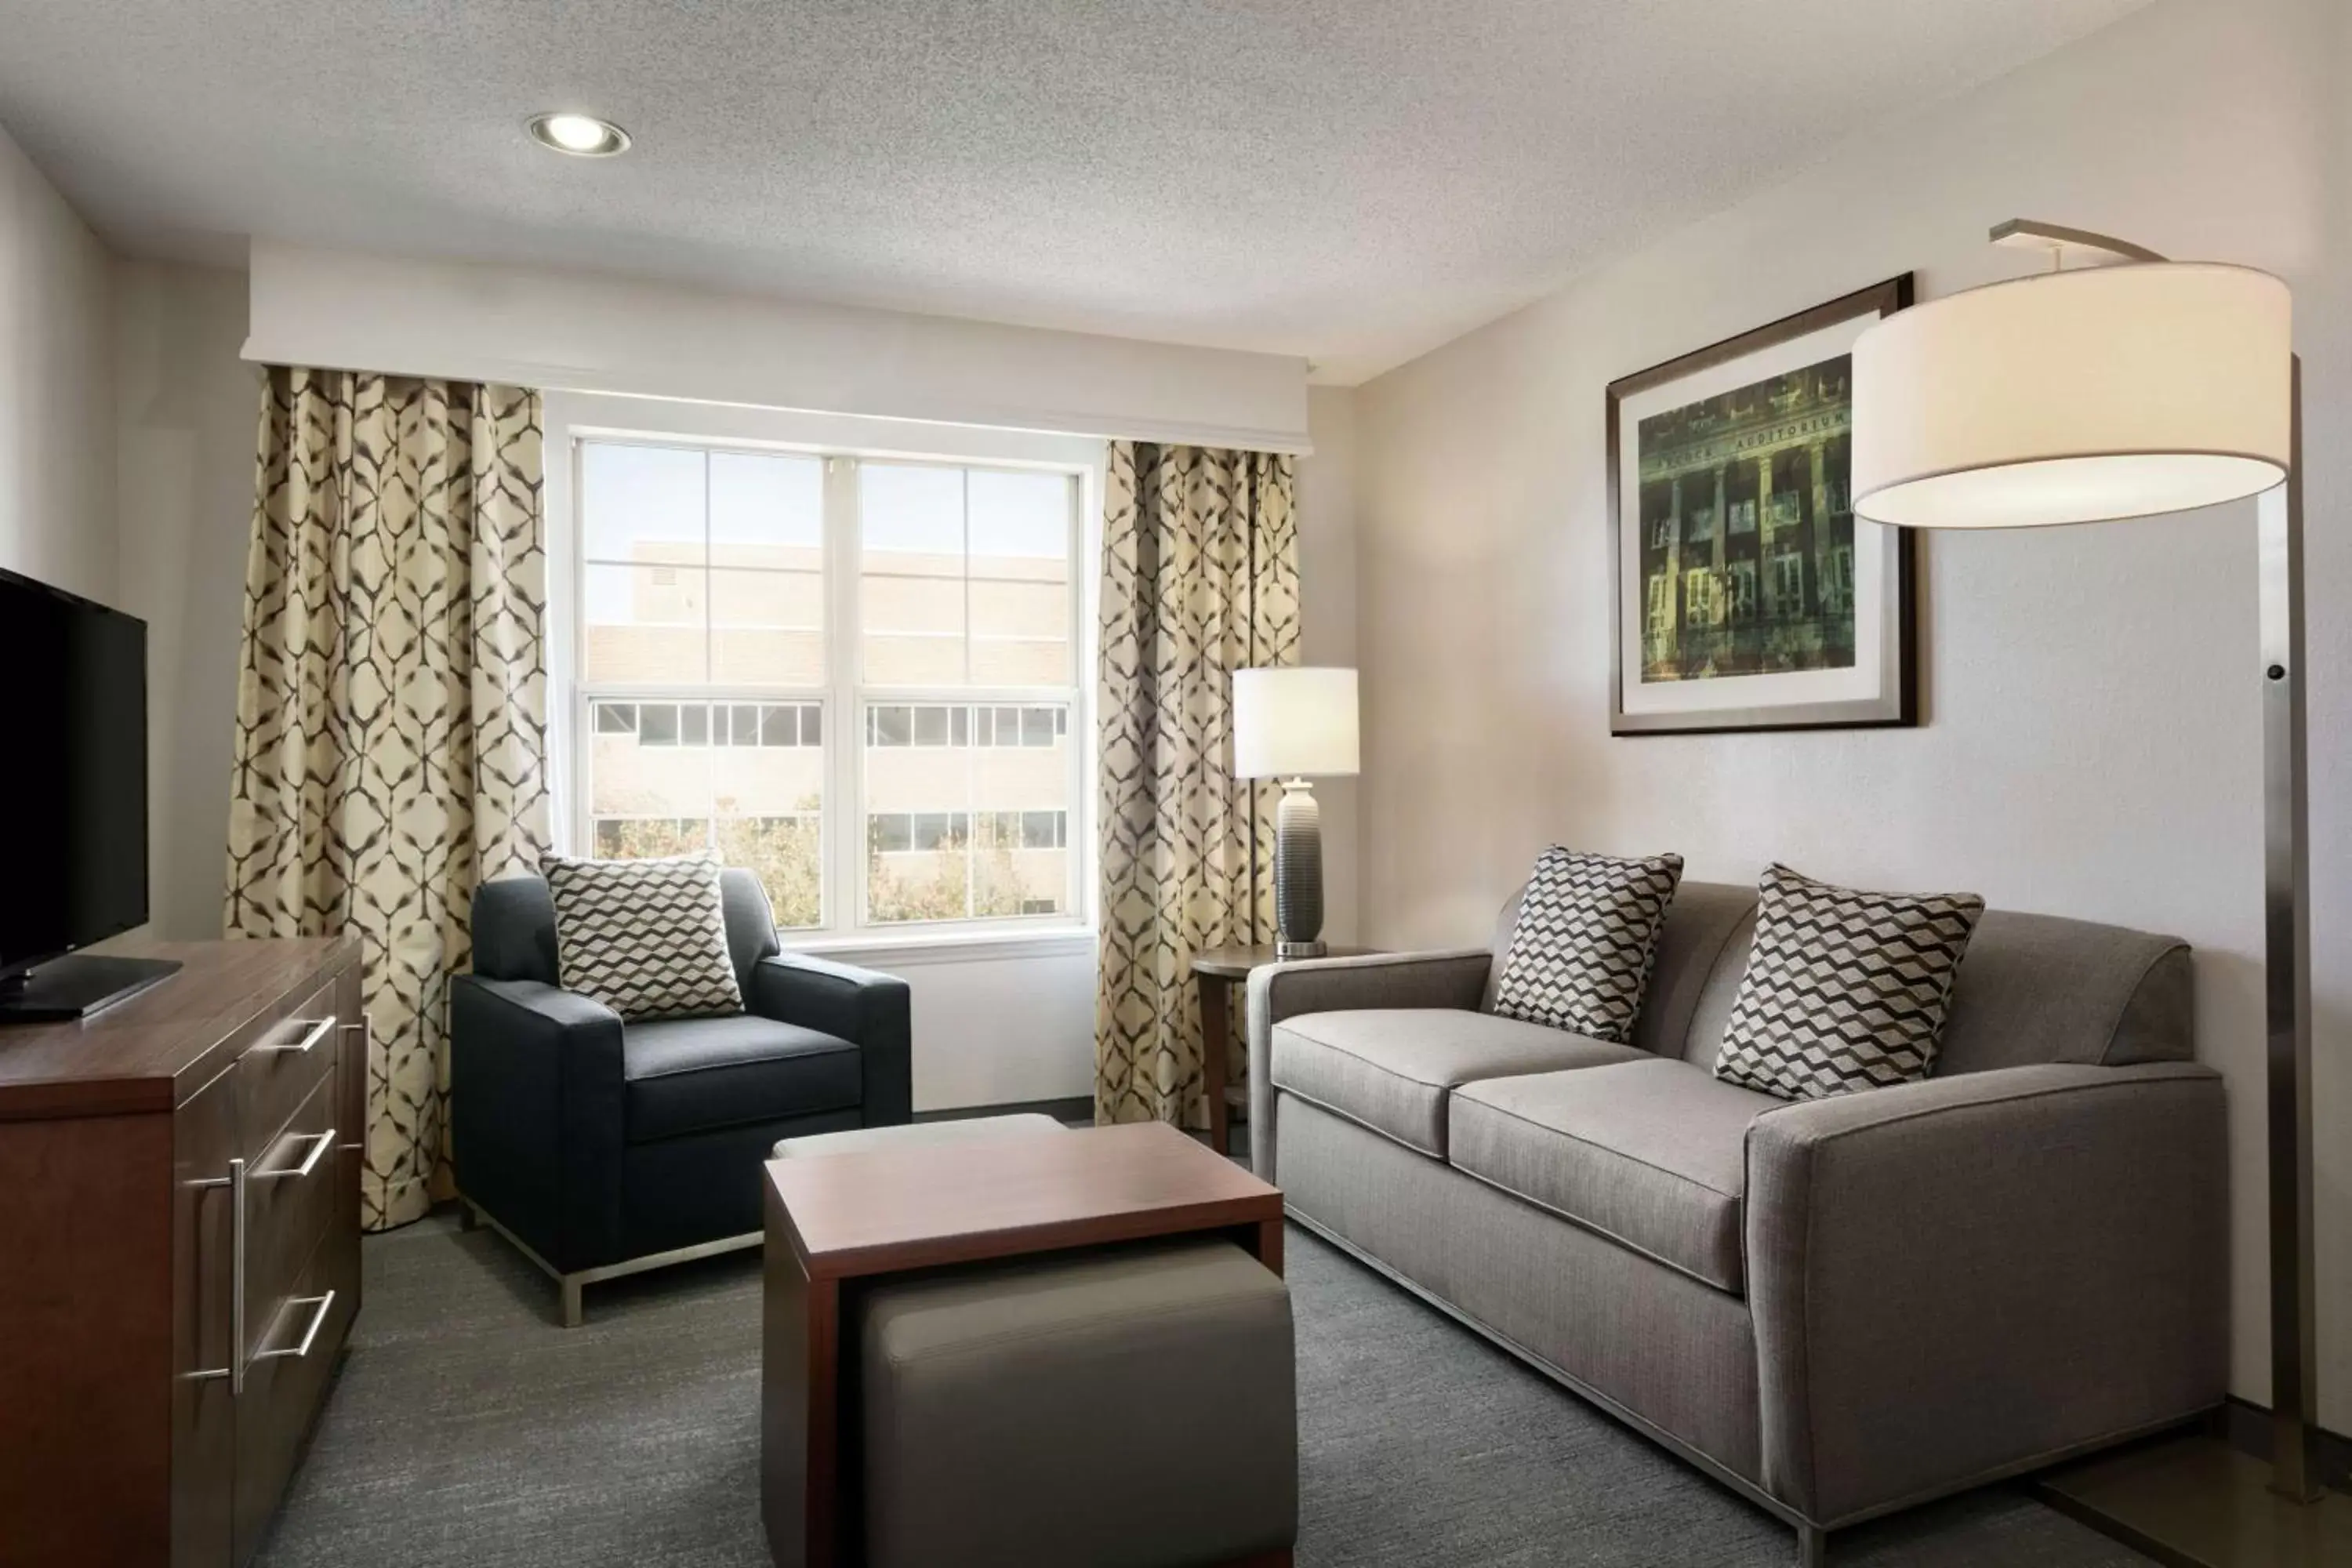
<point x="1199" y="579"/>
<point x="391" y="746"/>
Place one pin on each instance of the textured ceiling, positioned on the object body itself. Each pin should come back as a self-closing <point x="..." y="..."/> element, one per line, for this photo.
<point x="1354" y="181"/>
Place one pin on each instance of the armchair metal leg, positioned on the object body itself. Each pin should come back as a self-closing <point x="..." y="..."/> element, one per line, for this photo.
<point x="572" y="1285"/>
<point x="1812" y="1546"/>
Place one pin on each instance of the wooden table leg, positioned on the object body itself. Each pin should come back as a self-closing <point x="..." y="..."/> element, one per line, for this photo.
<point x="800" y="1406"/>
<point x="1266" y="1242"/>
<point x="1216" y="1042"/>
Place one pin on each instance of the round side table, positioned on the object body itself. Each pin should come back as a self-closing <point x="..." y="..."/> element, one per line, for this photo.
<point x="1218" y="971"/>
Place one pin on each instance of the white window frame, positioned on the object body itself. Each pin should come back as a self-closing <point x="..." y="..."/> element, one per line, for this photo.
<point x="575" y="420"/>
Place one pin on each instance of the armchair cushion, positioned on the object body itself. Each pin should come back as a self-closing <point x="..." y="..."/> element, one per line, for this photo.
<point x="647" y="938"/>
<point x="841" y="999"/>
<point x="1391" y="1068"/>
<point x="1651" y="1153"/>
<point x="693" y="1075"/>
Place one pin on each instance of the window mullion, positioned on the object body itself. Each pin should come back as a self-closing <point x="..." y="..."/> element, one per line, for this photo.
<point x="845" y="813"/>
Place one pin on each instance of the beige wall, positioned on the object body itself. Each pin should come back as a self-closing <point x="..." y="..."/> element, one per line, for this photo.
<point x="2090" y="743"/>
<point x="186" y="412"/>
<point x="56" y="387"/>
<point x="1327" y="616"/>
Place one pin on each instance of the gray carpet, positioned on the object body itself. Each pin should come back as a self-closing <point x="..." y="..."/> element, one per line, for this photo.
<point x="466" y="1429"/>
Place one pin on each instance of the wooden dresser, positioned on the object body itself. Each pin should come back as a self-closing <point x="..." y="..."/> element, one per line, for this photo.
<point x="179" y="1253"/>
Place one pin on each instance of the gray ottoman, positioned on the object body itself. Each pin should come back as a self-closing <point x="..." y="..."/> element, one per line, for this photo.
<point x="1132" y="1408"/>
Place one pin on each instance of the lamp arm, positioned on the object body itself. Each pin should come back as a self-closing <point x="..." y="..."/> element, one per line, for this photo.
<point x="2031" y="234"/>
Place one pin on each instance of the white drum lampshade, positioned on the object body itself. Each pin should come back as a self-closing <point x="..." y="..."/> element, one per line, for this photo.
<point x="1293" y="724"/>
<point x="2110" y="392"/>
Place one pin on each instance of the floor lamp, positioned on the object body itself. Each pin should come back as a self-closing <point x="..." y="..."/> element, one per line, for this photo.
<point x="2118" y="384"/>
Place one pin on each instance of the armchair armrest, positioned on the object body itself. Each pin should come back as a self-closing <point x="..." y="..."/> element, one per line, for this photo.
<point x="1453" y="978"/>
<point x="873" y="1009"/>
<point x="1957" y="1279"/>
<point x="537" y="1107"/>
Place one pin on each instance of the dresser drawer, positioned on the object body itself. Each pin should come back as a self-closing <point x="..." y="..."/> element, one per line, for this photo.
<point x="278" y="1072"/>
<point x="290" y="1192"/>
<point x="293" y="1354"/>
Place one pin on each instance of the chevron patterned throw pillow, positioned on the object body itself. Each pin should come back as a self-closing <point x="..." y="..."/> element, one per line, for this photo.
<point x="1586" y="935"/>
<point x="647" y="938"/>
<point x="1845" y="990"/>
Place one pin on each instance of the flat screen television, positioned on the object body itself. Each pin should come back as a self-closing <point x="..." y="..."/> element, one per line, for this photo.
<point x="75" y="792"/>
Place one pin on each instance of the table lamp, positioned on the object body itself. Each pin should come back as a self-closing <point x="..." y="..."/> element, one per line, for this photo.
<point x="1288" y="723"/>
<point x="2118" y="384"/>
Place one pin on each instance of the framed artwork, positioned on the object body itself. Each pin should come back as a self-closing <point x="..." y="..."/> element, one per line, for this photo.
<point x="1745" y="593"/>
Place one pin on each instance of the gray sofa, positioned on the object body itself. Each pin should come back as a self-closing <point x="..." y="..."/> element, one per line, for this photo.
<point x="1838" y="1307"/>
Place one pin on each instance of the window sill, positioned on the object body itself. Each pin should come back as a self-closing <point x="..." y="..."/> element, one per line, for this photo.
<point x="1056" y="941"/>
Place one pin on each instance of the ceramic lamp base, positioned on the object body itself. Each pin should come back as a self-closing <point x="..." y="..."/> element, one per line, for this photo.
<point x="1297" y="872"/>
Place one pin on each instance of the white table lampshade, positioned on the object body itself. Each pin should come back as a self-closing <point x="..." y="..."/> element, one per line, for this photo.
<point x="1293" y="722"/>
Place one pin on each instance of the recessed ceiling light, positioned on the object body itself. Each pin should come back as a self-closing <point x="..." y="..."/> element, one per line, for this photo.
<point x="582" y="135"/>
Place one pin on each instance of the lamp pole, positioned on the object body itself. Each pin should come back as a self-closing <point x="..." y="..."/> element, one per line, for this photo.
<point x="2287" y="970"/>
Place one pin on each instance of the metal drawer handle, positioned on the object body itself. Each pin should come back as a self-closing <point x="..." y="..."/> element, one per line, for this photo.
<point x="234" y="1370"/>
<point x="303" y="1047"/>
<point x="320" y="1307"/>
<point x="320" y="1144"/>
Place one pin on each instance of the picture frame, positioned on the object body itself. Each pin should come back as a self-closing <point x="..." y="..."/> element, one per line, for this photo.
<point x="1744" y="593"/>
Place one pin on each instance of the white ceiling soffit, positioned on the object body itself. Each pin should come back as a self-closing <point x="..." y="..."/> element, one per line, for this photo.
<point x="589" y="331"/>
<point x="1351" y="180"/>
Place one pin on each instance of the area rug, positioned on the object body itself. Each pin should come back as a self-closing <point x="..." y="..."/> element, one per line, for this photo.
<point x="466" y="1430"/>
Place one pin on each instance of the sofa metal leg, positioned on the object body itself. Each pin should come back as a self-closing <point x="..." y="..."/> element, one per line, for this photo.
<point x="1812" y="1546"/>
<point x="571" y="1288"/>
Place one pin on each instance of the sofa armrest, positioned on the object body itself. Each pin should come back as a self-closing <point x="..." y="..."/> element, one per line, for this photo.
<point x="873" y="1009"/>
<point x="1955" y="1279"/>
<point x="538" y="1112"/>
<point x="1453" y="978"/>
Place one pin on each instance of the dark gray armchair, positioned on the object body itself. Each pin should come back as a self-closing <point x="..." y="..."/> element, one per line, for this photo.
<point x="603" y="1149"/>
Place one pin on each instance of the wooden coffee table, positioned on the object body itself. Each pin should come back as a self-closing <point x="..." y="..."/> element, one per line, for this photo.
<point x="836" y="1223"/>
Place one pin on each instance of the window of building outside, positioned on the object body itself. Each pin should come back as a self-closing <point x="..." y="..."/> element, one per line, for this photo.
<point x="857" y="678"/>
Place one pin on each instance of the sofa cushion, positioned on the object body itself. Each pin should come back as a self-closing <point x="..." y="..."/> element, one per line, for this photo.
<point x="691" y="1075"/>
<point x="1390" y="1068"/>
<point x="1586" y="935"/>
<point x="1845" y="990"/>
<point x="1651" y="1153"/>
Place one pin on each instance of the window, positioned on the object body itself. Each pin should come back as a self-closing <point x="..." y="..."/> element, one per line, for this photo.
<point x="737" y="607"/>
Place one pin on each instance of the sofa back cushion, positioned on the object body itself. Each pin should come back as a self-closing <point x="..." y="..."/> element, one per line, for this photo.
<point x="1691" y="941"/>
<point x="2033" y="989"/>
<point x="2039" y="988"/>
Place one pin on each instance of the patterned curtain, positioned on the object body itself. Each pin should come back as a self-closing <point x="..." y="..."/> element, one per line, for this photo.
<point x="391" y="709"/>
<point x="1199" y="579"/>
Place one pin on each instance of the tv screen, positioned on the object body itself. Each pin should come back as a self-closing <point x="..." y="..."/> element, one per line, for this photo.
<point x="75" y="783"/>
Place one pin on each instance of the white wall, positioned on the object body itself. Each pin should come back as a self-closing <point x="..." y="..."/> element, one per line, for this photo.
<point x="184" y="418"/>
<point x="588" y="332"/>
<point x="57" y="388"/>
<point x="2090" y="741"/>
